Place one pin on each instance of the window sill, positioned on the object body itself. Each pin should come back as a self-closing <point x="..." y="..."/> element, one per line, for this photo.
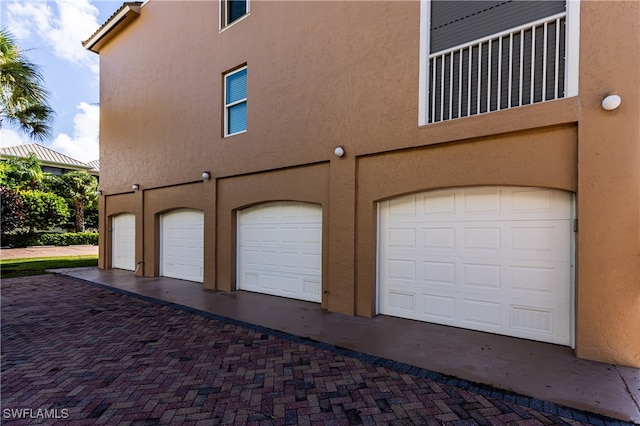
<point x="234" y="134"/>
<point x="234" y="22"/>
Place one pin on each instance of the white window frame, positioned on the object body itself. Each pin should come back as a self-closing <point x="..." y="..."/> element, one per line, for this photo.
<point x="227" y="106"/>
<point x="571" y="61"/>
<point x="223" y="15"/>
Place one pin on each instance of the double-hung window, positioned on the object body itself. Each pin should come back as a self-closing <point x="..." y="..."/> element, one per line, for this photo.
<point x="235" y="102"/>
<point x="232" y="10"/>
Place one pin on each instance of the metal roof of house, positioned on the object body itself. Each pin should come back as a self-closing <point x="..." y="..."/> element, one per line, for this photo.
<point x="95" y="165"/>
<point x="48" y="157"/>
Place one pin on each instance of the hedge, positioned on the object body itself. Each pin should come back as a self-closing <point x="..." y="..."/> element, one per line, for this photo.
<point x="24" y="239"/>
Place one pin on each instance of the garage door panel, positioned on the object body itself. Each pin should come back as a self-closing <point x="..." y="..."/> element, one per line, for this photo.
<point x="522" y="203"/>
<point x="280" y="246"/>
<point x="271" y="258"/>
<point x="540" y="240"/>
<point x="182" y="245"/>
<point x="514" y="239"/>
<point x="490" y="259"/>
<point x="311" y="263"/>
<point x="481" y="202"/>
<point x="250" y="235"/>
<point x="311" y="287"/>
<point x="312" y="234"/>
<point x="405" y="206"/>
<point x="443" y="204"/>
<point x="250" y="281"/>
<point x="276" y="282"/>
<point x="482" y="275"/>
<point x="271" y="282"/>
<point x="482" y="314"/>
<point x="481" y="238"/>
<point x="538" y="204"/>
<point x="537" y="321"/>
<point x="440" y="308"/>
<point x="400" y="269"/>
<point x="402" y="303"/>
<point x="441" y="239"/>
<point x="287" y="285"/>
<point x="439" y="273"/>
<point x="402" y="237"/>
<point x="252" y="257"/>
<point x="537" y="279"/>
<point x="536" y="238"/>
<point x="290" y="235"/>
<point x="289" y="260"/>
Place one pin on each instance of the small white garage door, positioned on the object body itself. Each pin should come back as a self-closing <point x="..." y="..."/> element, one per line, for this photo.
<point x="123" y="243"/>
<point x="280" y="250"/>
<point x="182" y="245"/>
<point x="495" y="259"/>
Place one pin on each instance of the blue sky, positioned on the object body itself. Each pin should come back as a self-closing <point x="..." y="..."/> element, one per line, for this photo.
<point x="50" y="32"/>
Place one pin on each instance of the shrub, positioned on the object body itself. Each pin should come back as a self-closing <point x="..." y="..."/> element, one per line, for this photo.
<point x="12" y="212"/>
<point x="24" y="239"/>
<point x="43" y="210"/>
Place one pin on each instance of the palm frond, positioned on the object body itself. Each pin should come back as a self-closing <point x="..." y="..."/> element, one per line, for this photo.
<point x="24" y="101"/>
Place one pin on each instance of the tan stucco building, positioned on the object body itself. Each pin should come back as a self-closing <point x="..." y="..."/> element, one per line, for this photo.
<point x="374" y="158"/>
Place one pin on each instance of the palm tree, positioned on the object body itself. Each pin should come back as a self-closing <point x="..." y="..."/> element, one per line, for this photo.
<point x="23" y="99"/>
<point x="22" y="173"/>
<point x="79" y="187"/>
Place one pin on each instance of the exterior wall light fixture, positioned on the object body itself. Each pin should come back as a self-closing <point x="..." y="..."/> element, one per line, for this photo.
<point x="339" y="151"/>
<point x="135" y="186"/>
<point x="206" y="175"/>
<point x="611" y="102"/>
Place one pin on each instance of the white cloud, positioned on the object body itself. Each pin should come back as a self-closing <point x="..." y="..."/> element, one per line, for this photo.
<point x="83" y="145"/>
<point x="10" y="137"/>
<point x="62" y="27"/>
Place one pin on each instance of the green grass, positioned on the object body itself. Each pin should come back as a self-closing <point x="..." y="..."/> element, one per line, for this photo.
<point x="12" y="268"/>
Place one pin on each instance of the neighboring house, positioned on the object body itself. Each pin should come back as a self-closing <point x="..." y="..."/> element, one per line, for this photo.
<point x="448" y="162"/>
<point x="95" y="168"/>
<point x="51" y="161"/>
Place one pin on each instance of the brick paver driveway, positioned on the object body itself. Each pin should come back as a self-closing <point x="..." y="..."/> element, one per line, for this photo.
<point x="87" y="355"/>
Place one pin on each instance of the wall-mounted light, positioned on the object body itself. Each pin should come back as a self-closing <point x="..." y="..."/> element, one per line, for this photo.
<point x="206" y="175"/>
<point x="98" y="193"/>
<point x="611" y="102"/>
<point x="339" y="151"/>
<point x="135" y="186"/>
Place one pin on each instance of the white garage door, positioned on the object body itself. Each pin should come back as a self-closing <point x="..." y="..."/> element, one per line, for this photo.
<point x="123" y="245"/>
<point x="182" y="245"/>
<point x="495" y="259"/>
<point x="280" y="250"/>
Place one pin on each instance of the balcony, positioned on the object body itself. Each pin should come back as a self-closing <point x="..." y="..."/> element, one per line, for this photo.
<point x="517" y="67"/>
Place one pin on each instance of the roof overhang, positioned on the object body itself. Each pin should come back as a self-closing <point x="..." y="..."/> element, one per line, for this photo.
<point x="120" y="19"/>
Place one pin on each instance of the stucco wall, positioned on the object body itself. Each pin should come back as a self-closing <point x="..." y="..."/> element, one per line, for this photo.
<point x="327" y="74"/>
<point x="608" y="289"/>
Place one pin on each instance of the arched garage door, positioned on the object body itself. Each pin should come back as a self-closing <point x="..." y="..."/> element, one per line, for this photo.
<point x="182" y="245"/>
<point x="280" y="250"/>
<point x="123" y="243"/>
<point x="495" y="259"/>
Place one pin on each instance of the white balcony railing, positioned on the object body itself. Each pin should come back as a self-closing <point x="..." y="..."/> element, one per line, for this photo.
<point x="521" y="66"/>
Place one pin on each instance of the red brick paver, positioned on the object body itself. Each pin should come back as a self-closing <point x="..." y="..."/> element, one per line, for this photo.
<point x="87" y="355"/>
